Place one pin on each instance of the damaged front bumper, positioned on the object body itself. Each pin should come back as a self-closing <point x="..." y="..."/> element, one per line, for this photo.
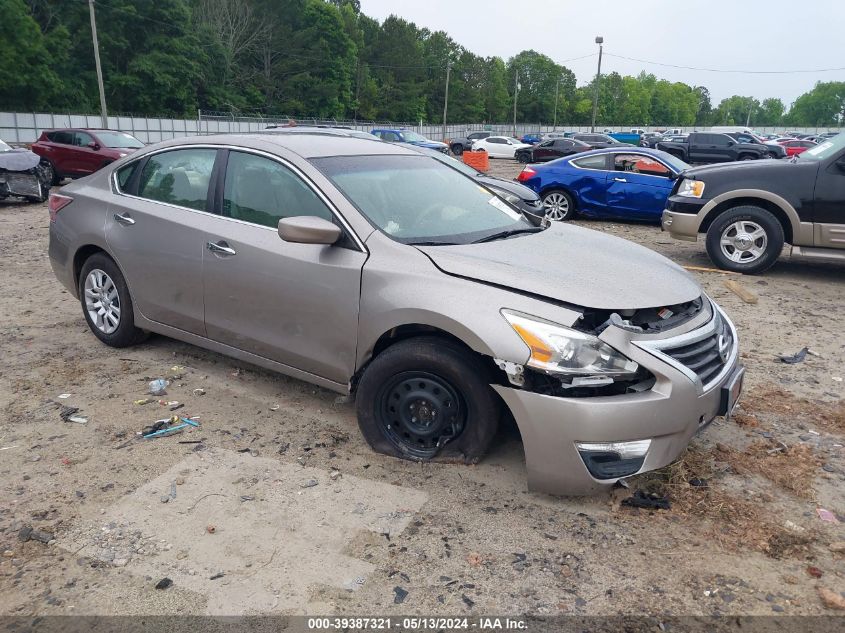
<point x="26" y="184"/>
<point x="576" y="446"/>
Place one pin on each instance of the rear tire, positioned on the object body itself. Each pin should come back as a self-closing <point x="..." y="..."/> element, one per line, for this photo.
<point x="747" y="157"/>
<point x="106" y="303"/>
<point x="457" y="149"/>
<point x="745" y="239"/>
<point x="427" y="398"/>
<point x="50" y="172"/>
<point x="558" y="205"/>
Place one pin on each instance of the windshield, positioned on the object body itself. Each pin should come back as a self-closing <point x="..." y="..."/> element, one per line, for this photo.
<point x="824" y="150"/>
<point x="119" y="140"/>
<point x="413" y="137"/>
<point x="4" y="147"/>
<point x="414" y="199"/>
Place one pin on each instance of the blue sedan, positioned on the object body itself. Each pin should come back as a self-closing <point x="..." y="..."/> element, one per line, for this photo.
<point x="625" y="184"/>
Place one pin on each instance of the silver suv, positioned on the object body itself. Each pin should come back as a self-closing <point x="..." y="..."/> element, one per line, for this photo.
<point x="370" y="269"/>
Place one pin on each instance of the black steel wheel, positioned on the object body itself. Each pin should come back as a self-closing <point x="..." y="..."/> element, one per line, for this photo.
<point x="420" y="412"/>
<point x="426" y="398"/>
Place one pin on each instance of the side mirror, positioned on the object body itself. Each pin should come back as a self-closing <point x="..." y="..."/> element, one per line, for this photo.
<point x="731" y="143"/>
<point x="308" y="229"/>
<point x="94" y="145"/>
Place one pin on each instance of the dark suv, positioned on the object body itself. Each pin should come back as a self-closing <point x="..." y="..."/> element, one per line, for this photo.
<point x="71" y="153"/>
<point x="749" y="210"/>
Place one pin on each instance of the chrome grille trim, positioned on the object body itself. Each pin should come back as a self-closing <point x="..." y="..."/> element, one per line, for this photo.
<point x="678" y="349"/>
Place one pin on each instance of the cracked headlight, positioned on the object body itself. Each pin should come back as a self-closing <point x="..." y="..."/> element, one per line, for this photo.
<point x="561" y="350"/>
<point x="691" y="188"/>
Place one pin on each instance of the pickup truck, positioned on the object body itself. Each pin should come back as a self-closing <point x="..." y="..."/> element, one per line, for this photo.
<point x="461" y="144"/>
<point x="704" y="147"/>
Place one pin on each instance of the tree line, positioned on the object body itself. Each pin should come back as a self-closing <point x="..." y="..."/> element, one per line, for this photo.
<point x="324" y="58"/>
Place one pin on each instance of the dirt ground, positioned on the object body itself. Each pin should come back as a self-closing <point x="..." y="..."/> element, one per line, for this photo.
<point x="279" y="507"/>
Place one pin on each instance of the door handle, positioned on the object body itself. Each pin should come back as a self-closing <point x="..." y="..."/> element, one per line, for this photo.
<point x="124" y="219"/>
<point x="620" y="180"/>
<point x="221" y="248"/>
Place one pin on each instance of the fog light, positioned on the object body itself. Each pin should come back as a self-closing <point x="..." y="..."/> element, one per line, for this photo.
<point x="612" y="460"/>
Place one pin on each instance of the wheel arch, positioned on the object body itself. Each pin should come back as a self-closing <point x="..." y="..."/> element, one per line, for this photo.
<point x="777" y="206"/>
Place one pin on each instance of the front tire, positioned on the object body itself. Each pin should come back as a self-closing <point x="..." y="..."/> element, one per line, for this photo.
<point x="106" y="303"/>
<point x="426" y="398"/>
<point x="457" y="149"/>
<point x="558" y="205"/>
<point x="745" y="239"/>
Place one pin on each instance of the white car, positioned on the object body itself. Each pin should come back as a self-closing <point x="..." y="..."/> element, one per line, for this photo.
<point x="499" y="146"/>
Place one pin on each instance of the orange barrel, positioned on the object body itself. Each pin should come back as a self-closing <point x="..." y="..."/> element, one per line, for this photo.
<point x="478" y="160"/>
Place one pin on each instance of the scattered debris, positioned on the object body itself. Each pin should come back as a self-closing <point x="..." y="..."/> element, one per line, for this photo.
<point x="335" y="475"/>
<point x="7" y="448"/>
<point x="247" y="498"/>
<point x="66" y="412"/>
<point x="28" y="533"/>
<point x="79" y="419"/>
<point x="814" y="572"/>
<point x="64" y="396"/>
<point x="219" y="574"/>
<point x="275" y="407"/>
<point x="399" y="595"/>
<point x="705" y="269"/>
<point x="826" y="515"/>
<point x="164" y="583"/>
<point x="144" y="401"/>
<point x="158" y="387"/>
<point x="741" y="291"/>
<point x="831" y="599"/>
<point x="838" y="547"/>
<point x="467" y="600"/>
<point x="163" y="427"/>
<point x="474" y="559"/>
<point x="308" y="484"/>
<point x="650" y="501"/>
<point x="211" y="528"/>
<point x="795" y="358"/>
<point x="199" y="392"/>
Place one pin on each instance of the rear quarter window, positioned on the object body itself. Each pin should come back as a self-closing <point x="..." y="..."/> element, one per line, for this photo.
<point x="124" y="176"/>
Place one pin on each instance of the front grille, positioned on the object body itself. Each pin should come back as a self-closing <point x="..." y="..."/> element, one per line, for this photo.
<point x="22" y="184"/>
<point x="707" y="356"/>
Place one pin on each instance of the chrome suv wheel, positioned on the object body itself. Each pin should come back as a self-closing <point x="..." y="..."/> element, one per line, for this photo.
<point x="745" y="239"/>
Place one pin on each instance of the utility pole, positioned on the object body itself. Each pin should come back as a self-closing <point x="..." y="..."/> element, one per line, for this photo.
<point x="515" y="96"/>
<point x="599" y="41"/>
<point x="557" y="90"/>
<point x="446" y="100"/>
<point x="103" y="112"/>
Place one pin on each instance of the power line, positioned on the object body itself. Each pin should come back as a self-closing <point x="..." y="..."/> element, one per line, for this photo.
<point x="727" y="70"/>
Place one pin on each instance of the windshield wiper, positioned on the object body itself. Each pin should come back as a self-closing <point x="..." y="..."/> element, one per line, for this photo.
<point x="432" y="243"/>
<point x="508" y="233"/>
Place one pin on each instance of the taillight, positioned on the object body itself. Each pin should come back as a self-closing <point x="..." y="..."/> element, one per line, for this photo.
<point x="57" y="203"/>
<point x="525" y="174"/>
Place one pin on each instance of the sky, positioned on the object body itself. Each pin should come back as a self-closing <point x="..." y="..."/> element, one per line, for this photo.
<point x="725" y="35"/>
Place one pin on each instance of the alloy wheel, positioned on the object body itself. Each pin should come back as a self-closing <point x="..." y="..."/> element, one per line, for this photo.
<point x="556" y="206"/>
<point x="102" y="301"/>
<point x="743" y="241"/>
<point x="420" y="412"/>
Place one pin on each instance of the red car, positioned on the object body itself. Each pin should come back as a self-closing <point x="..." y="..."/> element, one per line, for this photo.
<point x="71" y="153"/>
<point x="794" y="147"/>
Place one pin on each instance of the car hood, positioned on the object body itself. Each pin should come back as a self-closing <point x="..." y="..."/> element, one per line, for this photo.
<point x="574" y="265"/>
<point x="751" y="168"/>
<point x="19" y="160"/>
<point x="428" y="144"/>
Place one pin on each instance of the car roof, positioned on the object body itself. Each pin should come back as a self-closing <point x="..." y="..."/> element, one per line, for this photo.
<point x="631" y="149"/>
<point x="307" y="145"/>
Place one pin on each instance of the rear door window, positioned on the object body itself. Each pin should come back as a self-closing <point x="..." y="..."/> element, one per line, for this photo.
<point x="178" y="177"/>
<point x="65" y="138"/>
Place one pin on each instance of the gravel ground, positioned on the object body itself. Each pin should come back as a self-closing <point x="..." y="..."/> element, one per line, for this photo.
<point x="283" y="498"/>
